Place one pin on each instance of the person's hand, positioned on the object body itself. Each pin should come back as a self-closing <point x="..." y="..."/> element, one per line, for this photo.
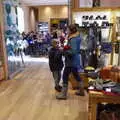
<point x="61" y="49"/>
<point x="67" y="47"/>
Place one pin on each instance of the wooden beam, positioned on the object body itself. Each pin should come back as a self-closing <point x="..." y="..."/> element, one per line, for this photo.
<point x="2" y="42"/>
<point x="75" y="4"/>
<point x="95" y="9"/>
<point x="113" y="36"/>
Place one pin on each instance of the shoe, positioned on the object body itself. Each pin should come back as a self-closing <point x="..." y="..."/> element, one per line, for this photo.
<point x="80" y="92"/>
<point x="58" y="88"/>
<point x="63" y="94"/>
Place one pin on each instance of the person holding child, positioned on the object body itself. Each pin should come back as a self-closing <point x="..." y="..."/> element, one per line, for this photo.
<point x="72" y="62"/>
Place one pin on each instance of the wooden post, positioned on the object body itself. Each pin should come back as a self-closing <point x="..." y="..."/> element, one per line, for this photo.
<point x="75" y="4"/>
<point x="113" y="36"/>
<point x="69" y="12"/>
<point x="2" y="42"/>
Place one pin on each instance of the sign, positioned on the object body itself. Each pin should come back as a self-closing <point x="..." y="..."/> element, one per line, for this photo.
<point x="43" y="27"/>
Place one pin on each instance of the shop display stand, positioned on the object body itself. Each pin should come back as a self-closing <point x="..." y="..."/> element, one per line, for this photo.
<point x="99" y="97"/>
<point x="94" y="96"/>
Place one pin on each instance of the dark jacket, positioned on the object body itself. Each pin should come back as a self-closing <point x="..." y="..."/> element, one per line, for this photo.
<point x="55" y="59"/>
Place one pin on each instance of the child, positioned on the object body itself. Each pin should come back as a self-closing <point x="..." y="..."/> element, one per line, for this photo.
<point x="56" y="63"/>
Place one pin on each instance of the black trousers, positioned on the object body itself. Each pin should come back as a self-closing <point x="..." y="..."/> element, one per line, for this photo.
<point x="66" y="73"/>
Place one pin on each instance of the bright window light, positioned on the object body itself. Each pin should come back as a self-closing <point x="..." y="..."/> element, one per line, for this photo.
<point x="20" y="19"/>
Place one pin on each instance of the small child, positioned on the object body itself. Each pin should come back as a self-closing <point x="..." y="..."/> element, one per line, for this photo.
<point x="56" y="63"/>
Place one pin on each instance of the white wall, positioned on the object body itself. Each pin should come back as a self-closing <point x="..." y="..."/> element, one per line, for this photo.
<point x="32" y="20"/>
<point x="110" y="3"/>
<point x="21" y="22"/>
<point x="26" y="11"/>
<point x="85" y="3"/>
<point x="104" y="3"/>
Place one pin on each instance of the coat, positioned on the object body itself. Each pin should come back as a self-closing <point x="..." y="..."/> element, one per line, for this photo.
<point x="72" y="55"/>
<point x="55" y="59"/>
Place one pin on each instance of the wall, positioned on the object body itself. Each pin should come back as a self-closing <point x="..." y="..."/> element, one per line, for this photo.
<point x="26" y="11"/>
<point x="85" y="3"/>
<point x="30" y="18"/>
<point x="103" y="3"/>
<point x="32" y="15"/>
<point x="109" y="3"/>
<point x="33" y="18"/>
<point x="47" y="12"/>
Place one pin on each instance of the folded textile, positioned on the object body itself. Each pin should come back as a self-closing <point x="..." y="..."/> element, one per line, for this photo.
<point x="109" y="84"/>
<point x="96" y="83"/>
<point x="116" y="89"/>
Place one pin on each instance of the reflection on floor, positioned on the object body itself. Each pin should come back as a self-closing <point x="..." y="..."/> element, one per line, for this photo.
<point x="31" y="96"/>
<point x="29" y="59"/>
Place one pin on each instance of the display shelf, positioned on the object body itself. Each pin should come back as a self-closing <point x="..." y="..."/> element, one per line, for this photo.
<point x="111" y="35"/>
<point x="99" y="97"/>
<point x="99" y="27"/>
<point x="86" y="16"/>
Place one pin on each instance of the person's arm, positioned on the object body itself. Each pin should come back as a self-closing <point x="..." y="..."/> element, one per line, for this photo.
<point x="50" y="54"/>
<point x="58" y="55"/>
<point x="72" y="48"/>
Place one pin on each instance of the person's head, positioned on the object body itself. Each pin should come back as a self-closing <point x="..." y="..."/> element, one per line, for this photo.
<point x="55" y="43"/>
<point x="72" y="29"/>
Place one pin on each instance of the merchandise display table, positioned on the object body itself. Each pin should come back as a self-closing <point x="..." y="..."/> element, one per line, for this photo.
<point x="99" y="97"/>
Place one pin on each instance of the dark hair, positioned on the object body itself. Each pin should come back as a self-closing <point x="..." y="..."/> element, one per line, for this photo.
<point x="72" y="28"/>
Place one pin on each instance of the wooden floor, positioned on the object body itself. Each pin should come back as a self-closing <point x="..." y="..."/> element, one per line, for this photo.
<point x="31" y="96"/>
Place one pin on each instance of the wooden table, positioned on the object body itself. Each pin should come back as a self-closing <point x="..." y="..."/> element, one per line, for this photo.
<point x="99" y="97"/>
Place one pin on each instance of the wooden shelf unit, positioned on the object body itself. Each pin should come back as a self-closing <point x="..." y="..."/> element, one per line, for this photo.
<point x="113" y="11"/>
<point x="99" y="97"/>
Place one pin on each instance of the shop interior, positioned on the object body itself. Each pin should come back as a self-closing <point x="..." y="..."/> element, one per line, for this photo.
<point x="99" y="28"/>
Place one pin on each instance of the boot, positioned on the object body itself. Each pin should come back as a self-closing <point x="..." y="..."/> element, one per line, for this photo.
<point x="58" y="88"/>
<point x="80" y="91"/>
<point x="63" y="94"/>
